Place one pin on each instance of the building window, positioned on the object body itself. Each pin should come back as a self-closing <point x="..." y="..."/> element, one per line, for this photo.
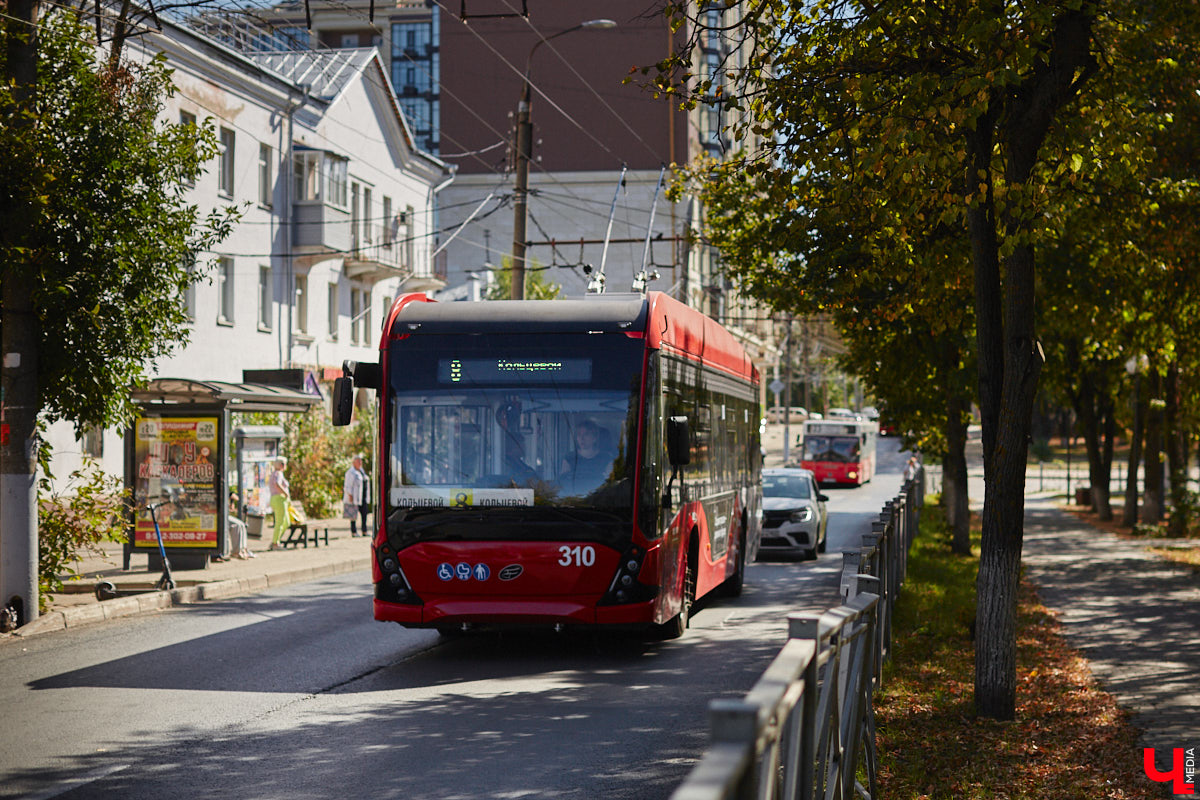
<point x="189" y="294"/>
<point x="335" y="180"/>
<point x="366" y="314"/>
<point x="306" y="173"/>
<point x="91" y="440"/>
<point x="408" y="245"/>
<point x="266" y="177"/>
<point x="188" y="118"/>
<point x="389" y="233"/>
<point x="415" y="65"/>
<point x="320" y="176"/>
<point x="225" y="171"/>
<point x="368" y="223"/>
<point x="387" y="306"/>
<point x="355" y="220"/>
<point x="301" y="316"/>
<point x="355" y="316"/>
<point x="264" y="298"/>
<point x="224" y="291"/>
<point x="333" y="311"/>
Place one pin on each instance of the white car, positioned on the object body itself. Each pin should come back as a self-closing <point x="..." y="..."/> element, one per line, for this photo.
<point x="795" y="522"/>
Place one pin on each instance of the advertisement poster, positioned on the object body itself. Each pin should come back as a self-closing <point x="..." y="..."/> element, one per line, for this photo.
<point x="258" y="458"/>
<point x="175" y="461"/>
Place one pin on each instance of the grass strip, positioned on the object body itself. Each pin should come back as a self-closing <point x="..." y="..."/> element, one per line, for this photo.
<point x="1069" y="739"/>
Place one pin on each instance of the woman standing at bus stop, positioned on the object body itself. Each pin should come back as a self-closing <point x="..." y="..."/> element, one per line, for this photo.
<point x="277" y="483"/>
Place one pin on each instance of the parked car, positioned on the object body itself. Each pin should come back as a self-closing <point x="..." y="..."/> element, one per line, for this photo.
<point x="795" y="414"/>
<point x="795" y="522"/>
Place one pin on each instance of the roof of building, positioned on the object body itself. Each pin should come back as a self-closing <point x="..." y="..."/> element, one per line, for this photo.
<point x="325" y="73"/>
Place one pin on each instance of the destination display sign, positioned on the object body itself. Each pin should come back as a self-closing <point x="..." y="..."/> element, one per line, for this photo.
<point x="423" y="497"/>
<point x="494" y="371"/>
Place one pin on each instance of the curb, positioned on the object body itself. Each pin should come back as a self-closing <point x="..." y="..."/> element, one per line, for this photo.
<point x="78" y="616"/>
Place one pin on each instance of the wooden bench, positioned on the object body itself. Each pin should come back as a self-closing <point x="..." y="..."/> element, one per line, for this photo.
<point x="299" y="533"/>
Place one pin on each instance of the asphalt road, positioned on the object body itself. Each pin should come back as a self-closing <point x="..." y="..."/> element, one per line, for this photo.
<point x="297" y="693"/>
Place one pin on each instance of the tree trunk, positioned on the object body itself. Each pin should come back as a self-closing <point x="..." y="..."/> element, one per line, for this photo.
<point x="1152" y="493"/>
<point x="1177" y="455"/>
<point x="1094" y="409"/>
<point x="1004" y="501"/>
<point x="1129" y="516"/>
<point x="954" y="464"/>
<point x="1010" y="358"/>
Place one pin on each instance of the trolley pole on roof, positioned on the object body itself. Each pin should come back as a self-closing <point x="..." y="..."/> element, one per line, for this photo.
<point x="597" y="283"/>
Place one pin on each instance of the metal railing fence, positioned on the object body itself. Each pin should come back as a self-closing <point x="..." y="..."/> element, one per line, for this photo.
<point x="806" y="729"/>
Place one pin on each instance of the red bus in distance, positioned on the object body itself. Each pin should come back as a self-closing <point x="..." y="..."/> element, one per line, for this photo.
<point x="583" y="462"/>
<point x="840" y="451"/>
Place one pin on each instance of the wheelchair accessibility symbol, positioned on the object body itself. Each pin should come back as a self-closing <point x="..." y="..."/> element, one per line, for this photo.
<point x="445" y="572"/>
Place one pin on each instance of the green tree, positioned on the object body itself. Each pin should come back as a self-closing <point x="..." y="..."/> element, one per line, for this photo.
<point x="985" y="118"/>
<point x="536" y="285"/>
<point x="97" y="240"/>
<point x="319" y="455"/>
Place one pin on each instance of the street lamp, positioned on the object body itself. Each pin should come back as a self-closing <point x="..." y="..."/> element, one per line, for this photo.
<point x="524" y="153"/>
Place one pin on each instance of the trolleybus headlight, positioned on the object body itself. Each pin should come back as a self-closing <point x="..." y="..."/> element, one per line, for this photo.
<point x="393" y="586"/>
<point x="625" y="587"/>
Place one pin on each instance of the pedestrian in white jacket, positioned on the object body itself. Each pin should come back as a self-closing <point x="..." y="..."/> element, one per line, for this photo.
<point x="354" y="496"/>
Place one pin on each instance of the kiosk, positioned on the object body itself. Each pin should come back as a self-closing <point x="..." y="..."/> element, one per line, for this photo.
<point x="255" y="449"/>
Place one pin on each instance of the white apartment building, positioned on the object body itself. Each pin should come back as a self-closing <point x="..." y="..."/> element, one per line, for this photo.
<point x="337" y="207"/>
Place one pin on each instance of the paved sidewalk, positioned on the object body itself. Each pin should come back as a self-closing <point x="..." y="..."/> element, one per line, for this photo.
<point x="234" y="578"/>
<point x="1134" y="615"/>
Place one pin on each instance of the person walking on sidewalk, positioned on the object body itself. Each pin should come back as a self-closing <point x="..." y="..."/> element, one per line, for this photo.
<point x="281" y="495"/>
<point x="354" y="495"/>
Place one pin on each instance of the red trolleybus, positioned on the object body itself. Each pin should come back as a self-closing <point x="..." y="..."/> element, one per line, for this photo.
<point x="840" y="450"/>
<point x="570" y="462"/>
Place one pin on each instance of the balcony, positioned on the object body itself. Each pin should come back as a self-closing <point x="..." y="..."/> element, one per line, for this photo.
<point x="374" y="257"/>
<point x="321" y="226"/>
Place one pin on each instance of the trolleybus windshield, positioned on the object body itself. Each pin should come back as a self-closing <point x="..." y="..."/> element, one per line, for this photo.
<point x="512" y="420"/>
<point x="836" y="449"/>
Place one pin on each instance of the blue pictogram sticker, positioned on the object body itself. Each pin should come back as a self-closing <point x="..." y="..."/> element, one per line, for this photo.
<point x="482" y="573"/>
<point x="463" y="571"/>
<point x="445" y="572"/>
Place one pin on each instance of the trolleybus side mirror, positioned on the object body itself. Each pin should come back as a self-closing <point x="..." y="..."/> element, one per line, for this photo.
<point x="343" y="400"/>
<point x="679" y="441"/>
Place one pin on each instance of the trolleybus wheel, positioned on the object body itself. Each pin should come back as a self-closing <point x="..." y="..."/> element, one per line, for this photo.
<point x="674" y="627"/>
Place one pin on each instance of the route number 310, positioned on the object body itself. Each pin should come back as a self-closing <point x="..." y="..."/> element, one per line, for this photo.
<point x="577" y="556"/>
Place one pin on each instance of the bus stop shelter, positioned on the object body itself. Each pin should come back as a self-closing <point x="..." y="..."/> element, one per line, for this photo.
<point x="178" y="451"/>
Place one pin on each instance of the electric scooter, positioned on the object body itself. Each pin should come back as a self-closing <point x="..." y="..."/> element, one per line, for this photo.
<point x="106" y="590"/>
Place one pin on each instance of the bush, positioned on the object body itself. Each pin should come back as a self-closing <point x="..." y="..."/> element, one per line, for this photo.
<point x="319" y="455"/>
<point x="73" y="523"/>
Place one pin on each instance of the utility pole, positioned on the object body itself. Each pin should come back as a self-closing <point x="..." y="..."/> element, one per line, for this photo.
<point x="19" y="343"/>
<point x="787" y="391"/>
<point x="524" y="152"/>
